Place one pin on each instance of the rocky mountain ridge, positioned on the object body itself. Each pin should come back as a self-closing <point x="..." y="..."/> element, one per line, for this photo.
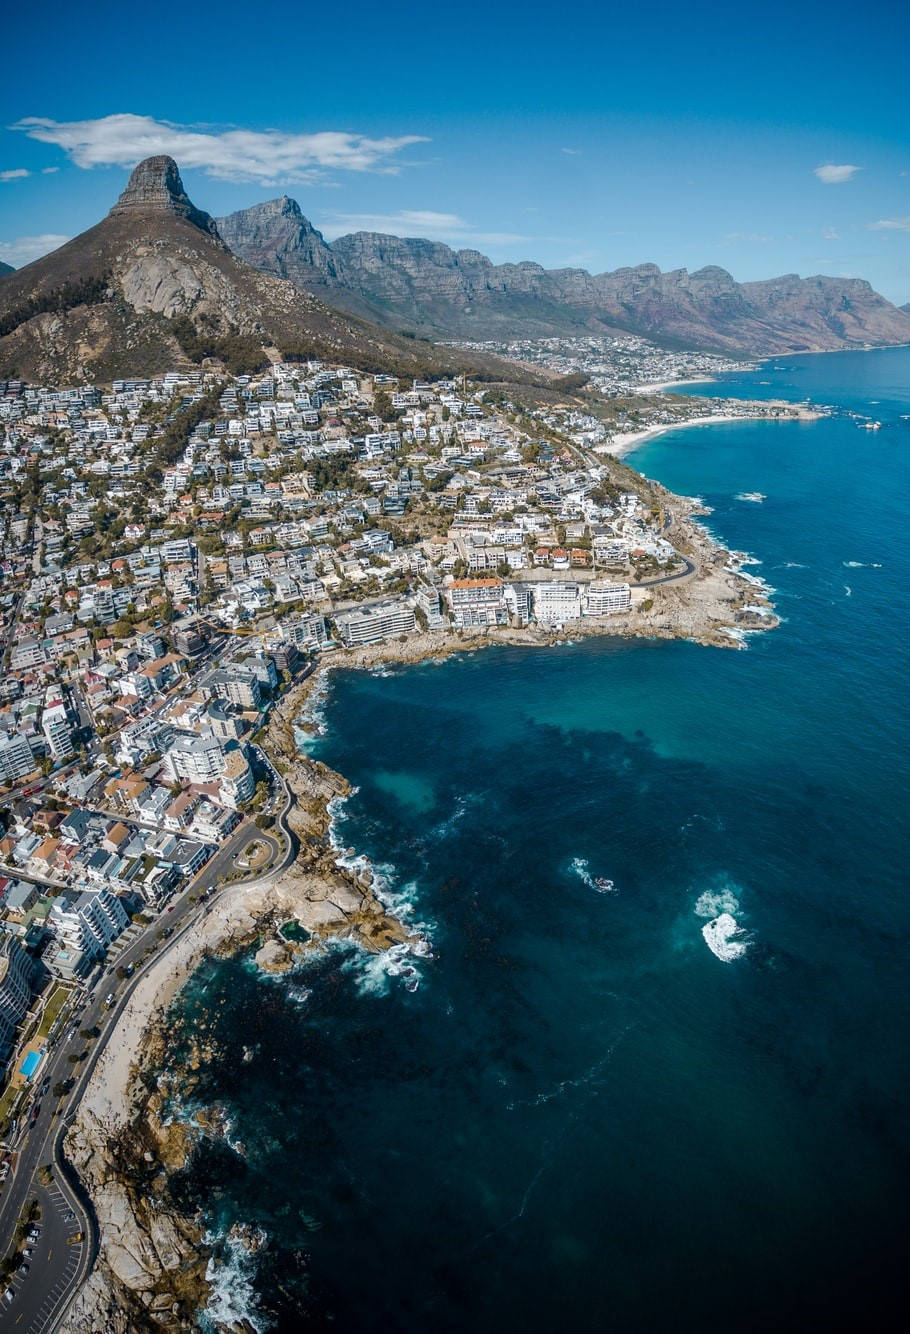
<point x="426" y="287"/>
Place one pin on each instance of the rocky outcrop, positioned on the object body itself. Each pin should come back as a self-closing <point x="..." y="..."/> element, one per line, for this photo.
<point x="155" y="187"/>
<point x="151" y="1270"/>
<point x="438" y="291"/>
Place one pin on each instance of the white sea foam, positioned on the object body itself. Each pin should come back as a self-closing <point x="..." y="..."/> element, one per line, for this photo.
<point x="460" y="808"/>
<point x="721" y="937"/>
<point x="753" y="579"/>
<point x="713" y="902"/>
<point x="400" y="900"/>
<point x="861" y="564"/>
<point x="722" y="934"/>
<point x="232" y="1299"/>
<point x="848" y="591"/>
<point x="311" y="720"/>
<point x="600" y="884"/>
<point x="754" y="497"/>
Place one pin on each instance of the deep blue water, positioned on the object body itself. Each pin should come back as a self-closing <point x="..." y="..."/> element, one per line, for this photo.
<point x="583" y="1118"/>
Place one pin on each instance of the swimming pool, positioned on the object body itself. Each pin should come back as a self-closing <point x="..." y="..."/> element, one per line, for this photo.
<point x="31" y="1063"/>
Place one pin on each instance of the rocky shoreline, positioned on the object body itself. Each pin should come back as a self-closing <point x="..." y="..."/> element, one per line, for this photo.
<point x="154" y="1267"/>
<point x="153" y="1270"/>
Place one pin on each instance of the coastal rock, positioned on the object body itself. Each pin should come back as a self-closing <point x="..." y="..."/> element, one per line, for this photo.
<point x="275" y="957"/>
<point x="151" y="1258"/>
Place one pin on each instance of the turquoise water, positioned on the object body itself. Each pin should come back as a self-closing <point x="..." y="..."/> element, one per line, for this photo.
<point x="582" y="1117"/>
<point x="31" y="1063"/>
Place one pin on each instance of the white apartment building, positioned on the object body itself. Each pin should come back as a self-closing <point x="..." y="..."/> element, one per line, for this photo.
<point x="87" y="923"/>
<point x="477" y="602"/>
<point x="306" y="631"/>
<point x="371" y="625"/>
<point x="16" y="758"/>
<point x="194" y="759"/>
<point x="57" y="731"/>
<point x="557" y="601"/>
<point x="605" y="599"/>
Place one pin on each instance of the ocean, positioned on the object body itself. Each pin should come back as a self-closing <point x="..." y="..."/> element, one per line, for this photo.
<point x="654" y="1075"/>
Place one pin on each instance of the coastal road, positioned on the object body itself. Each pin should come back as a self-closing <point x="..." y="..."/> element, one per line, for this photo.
<point x="687" y="573"/>
<point x="40" y="1141"/>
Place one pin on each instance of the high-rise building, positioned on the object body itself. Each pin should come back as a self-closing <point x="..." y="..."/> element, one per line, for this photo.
<point x="16" y="758"/>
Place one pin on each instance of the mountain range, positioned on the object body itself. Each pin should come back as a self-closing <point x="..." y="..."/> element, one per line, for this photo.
<point x="159" y="283"/>
<point x="427" y="288"/>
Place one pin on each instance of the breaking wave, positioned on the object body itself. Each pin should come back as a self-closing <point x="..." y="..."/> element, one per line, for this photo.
<point x="723" y="935"/>
<point x="233" y="1302"/>
<point x="401" y="902"/>
<point x="600" y="884"/>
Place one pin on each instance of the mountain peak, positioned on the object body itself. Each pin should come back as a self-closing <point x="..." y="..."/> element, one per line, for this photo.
<point x="155" y="187"/>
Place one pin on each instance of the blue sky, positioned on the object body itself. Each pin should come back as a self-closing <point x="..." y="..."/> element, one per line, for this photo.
<point x="587" y="134"/>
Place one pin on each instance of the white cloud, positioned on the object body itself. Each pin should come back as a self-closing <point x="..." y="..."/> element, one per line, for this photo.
<point x="49" y="171"/>
<point x="419" y="223"/>
<point x="889" y="225"/>
<point x="26" y="248"/>
<point x="832" y="173"/>
<point x="15" y="175"/>
<point x="572" y="152"/>
<point x="830" y="234"/>
<point x="264" y="156"/>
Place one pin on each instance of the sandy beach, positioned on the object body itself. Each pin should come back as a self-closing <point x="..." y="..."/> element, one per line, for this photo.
<point x="667" y="386"/>
<point x="625" y="442"/>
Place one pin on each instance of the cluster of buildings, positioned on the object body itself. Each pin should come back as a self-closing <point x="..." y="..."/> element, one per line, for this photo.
<point x="618" y="367"/>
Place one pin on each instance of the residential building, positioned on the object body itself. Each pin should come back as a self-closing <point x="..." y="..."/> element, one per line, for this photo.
<point x="604" y="599"/>
<point x="371" y="625"/>
<point x="556" y="601"/>
<point x="57" y="731"/>
<point x="477" y="602"/>
<point x="16" y="758"/>
<point x="194" y="759"/>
